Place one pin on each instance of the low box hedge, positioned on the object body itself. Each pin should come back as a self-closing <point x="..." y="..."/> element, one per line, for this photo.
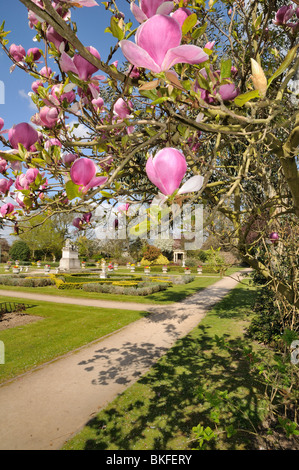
<point x="26" y="281"/>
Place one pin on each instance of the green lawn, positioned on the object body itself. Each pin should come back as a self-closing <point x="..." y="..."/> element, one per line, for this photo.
<point x="160" y="410"/>
<point x="63" y="328"/>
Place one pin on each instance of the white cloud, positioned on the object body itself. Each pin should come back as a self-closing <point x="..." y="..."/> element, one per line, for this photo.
<point x="81" y="131"/>
<point x="24" y="95"/>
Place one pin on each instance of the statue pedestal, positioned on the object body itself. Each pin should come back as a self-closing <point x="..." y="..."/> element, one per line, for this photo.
<point x="70" y="258"/>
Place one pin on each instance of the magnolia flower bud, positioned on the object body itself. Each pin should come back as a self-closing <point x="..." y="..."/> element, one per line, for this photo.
<point x="259" y="78"/>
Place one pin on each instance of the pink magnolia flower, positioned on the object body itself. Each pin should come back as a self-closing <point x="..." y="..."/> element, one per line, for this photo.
<point x="98" y="103"/>
<point x="149" y="8"/>
<point x="283" y="15"/>
<point x="1" y="124"/>
<point x="52" y="142"/>
<point x="87" y="217"/>
<point x="36" y="53"/>
<point x="181" y="14"/>
<point x="54" y="37"/>
<point x="150" y="52"/>
<point x="78" y="223"/>
<point x="20" y="199"/>
<point x="23" y="134"/>
<point x="79" y="65"/>
<point x="35" y="85"/>
<point x="31" y="175"/>
<point x="17" y="52"/>
<point x="123" y="208"/>
<point x="83" y="173"/>
<point x="46" y="72"/>
<point x="166" y="171"/>
<point x="49" y="116"/>
<point x="133" y="71"/>
<point x="228" y="91"/>
<point x="5" y="185"/>
<point x="69" y="158"/>
<point x="23" y="182"/>
<point x="274" y="237"/>
<point x="122" y="109"/>
<point x="60" y="95"/>
<point x="3" y="165"/>
<point x="210" y="45"/>
<point x="7" y="209"/>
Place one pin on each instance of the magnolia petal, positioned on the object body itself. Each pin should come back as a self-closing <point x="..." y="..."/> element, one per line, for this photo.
<point x="67" y="64"/>
<point x="138" y="56"/>
<point x="185" y="54"/>
<point x="84" y="67"/>
<point x="95" y="182"/>
<point x="99" y="77"/>
<point x="138" y="13"/>
<point x="150" y="34"/>
<point x="228" y="92"/>
<point x="83" y="171"/>
<point x="193" y="184"/>
<point x="165" y="8"/>
<point x="153" y="176"/>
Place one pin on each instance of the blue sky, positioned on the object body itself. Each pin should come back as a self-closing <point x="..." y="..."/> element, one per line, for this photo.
<point x="91" y="24"/>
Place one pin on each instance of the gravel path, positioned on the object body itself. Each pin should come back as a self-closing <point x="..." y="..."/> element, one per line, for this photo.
<point x="43" y="408"/>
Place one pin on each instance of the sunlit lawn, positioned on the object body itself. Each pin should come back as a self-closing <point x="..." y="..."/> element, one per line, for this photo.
<point x="62" y="328"/>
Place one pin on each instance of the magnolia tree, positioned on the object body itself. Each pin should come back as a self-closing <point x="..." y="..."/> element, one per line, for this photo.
<point x="202" y="111"/>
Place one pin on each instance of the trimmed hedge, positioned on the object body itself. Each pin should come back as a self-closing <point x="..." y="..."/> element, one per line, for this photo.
<point x="122" y="290"/>
<point x="26" y="281"/>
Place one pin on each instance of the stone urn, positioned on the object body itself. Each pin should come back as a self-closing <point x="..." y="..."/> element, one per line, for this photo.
<point x="103" y="274"/>
<point x="47" y="268"/>
<point x="115" y="267"/>
<point x="16" y="270"/>
<point x="132" y="268"/>
<point x="199" y="270"/>
<point x="164" y="269"/>
<point x="39" y="264"/>
<point x="187" y="271"/>
<point x="83" y="266"/>
<point x="7" y="267"/>
<point x="147" y="270"/>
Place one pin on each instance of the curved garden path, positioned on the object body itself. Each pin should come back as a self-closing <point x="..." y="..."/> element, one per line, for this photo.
<point x="43" y="408"/>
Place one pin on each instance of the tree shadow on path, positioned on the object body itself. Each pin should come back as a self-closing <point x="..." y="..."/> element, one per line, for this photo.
<point x="158" y="413"/>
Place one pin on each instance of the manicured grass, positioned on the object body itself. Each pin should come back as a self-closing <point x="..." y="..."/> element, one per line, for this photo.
<point x="173" y="294"/>
<point x="62" y="329"/>
<point x="159" y="411"/>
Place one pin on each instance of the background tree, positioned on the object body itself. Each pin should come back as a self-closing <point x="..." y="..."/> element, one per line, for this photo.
<point x="43" y="237"/>
<point x="19" y="251"/>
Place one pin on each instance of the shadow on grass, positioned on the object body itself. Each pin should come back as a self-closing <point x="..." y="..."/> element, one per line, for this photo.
<point x="159" y="411"/>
